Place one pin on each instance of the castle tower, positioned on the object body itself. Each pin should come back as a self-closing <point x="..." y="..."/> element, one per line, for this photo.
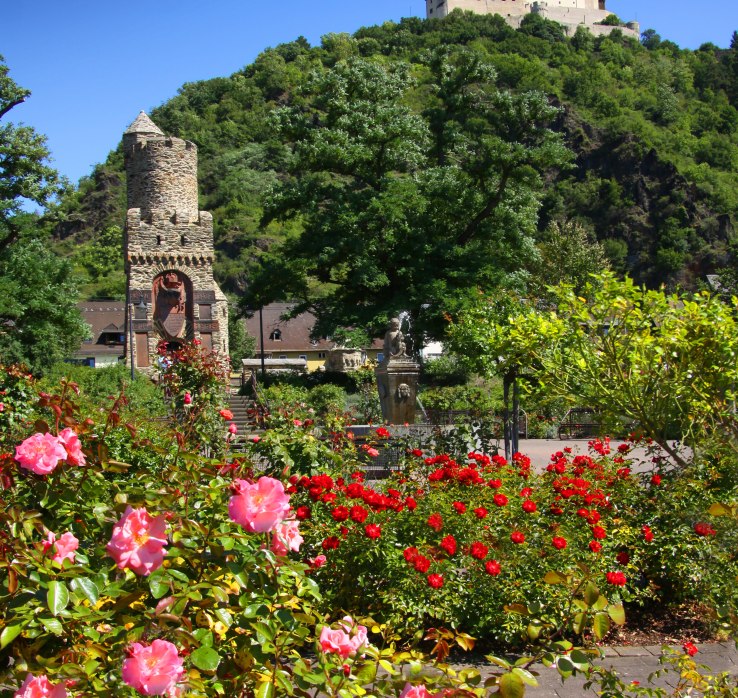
<point x="168" y="249"/>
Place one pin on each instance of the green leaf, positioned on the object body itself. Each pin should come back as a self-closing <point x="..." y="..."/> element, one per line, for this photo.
<point x="617" y="613"/>
<point x="591" y="594"/>
<point x="265" y="690"/>
<point x="57" y="597"/>
<point x="512" y="686"/>
<point x="718" y="509"/>
<point x="9" y="634"/>
<point x="526" y="676"/>
<point x="601" y="625"/>
<point x="52" y="625"/>
<point x="205" y="658"/>
<point x="87" y="587"/>
<point x="554" y="578"/>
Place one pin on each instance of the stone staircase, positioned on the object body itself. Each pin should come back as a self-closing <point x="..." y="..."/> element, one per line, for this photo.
<point x="245" y="411"/>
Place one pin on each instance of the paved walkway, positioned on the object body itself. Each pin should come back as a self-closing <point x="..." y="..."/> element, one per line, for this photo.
<point x="631" y="664"/>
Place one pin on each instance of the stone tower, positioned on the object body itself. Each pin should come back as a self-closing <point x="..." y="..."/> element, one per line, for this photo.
<point x="168" y="249"/>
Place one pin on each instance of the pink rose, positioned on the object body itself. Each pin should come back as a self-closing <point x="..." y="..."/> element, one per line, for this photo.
<point x="138" y="541"/>
<point x="233" y="429"/>
<point x="372" y="452"/>
<point x="40" y="687"/>
<point x="2" y="407"/>
<point x="286" y="537"/>
<point x="258" y="506"/>
<point x="421" y="691"/>
<point x="255" y="439"/>
<point x="40" y="453"/>
<point x="318" y="561"/>
<point x="72" y="446"/>
<point x="344" y="641"/>
<point x="63" y="548"/>
<point x="152" y="669"/>
<point x="187" y="399"/>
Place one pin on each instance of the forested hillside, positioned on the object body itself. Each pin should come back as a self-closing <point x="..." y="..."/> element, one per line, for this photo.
<point x="653" y="130"/>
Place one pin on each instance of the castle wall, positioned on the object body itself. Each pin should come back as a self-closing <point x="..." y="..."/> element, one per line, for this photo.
<point x="570" y="13"/>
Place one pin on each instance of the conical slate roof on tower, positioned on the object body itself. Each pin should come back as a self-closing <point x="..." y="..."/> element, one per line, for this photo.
<point x="143" y="124"/>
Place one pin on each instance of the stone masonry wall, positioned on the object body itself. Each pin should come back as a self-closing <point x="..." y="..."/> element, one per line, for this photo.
<point x="162" y="176"/>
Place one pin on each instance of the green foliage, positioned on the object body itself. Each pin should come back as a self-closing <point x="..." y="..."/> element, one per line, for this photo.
<point x="40" y="320"/>
<point x="241" y="344"/>
<point x="665" y="362"/>
<point x="444" y="370"/>
<point x="403" y="211"/>
<point x="24" y="170"/>
<point x="652" y="125"/>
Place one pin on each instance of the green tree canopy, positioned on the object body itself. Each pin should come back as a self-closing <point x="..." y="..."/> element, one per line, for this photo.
<point x="401" y="210"/>
<point x="24" y="170"/>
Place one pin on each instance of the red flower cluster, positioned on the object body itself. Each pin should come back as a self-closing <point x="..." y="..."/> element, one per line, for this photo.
<point x="435" y="522"/>
<point x="704" y="529"/>
<point x="449" y="545"/>
<point x="616" y="579"/>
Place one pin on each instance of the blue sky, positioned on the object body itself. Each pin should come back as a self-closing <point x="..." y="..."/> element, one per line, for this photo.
<point x="93" y="65"/>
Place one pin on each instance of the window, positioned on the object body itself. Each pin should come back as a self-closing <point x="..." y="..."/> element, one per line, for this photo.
<point x="207" y="340"/>
<point x="183" y="240"/>
<point x="158" y="239"/>
<point x="303" y="356"/>
<point x="380" y="357"/>
<point x="283" y="356"/>
<point x="276" y="335"/>
<point x="206" y="311"/>
<point x="321" y="355"/>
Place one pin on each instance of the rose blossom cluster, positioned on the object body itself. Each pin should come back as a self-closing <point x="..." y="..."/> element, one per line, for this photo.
<point x="154" y="669"/>
<point x="42" y="453"/>
<point x="40" y="687"/>
<point x="138" y="541"/>
<point x="345" y="640"/>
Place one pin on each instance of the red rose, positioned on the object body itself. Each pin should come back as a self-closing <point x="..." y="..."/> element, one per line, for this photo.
<point x="303" y="513"/>
<point x="704" y="529"/>
<point x="495" y="484"/>
<point x="411" y="504"/>
<point x="340" y="513"/>
<point x="372" y="531"/>
<point x="358" y="514"/>
<point x="331" y="543"/>
<point x="558" y="542"/>
<point x="410" y="554"/>
<point x="647" y="533"/>
<point x="622" y="558"/>
<point x="480" y="513"/>
<point x="421" y="563"/>
<point x="656" y="480"/>
<point x="595" y="546"/>
<point x="435" y="581"/>
<point x="492" y="567"/>
<point x="616" y="579"/>
<point x="526" y="492"/>
<point x="517" y="537"/>
<point x="382" y="433"/>
<point x="598" y="533"/>
<point x="529" y="506"/>
<point x="479" y="550"/>
<point x="226" y="414"/>
<point x="417" y="452"/>
<point x="689" y="649"/>
<point x="449" y="545"/>
<point x="460" y="507"/>
<point x="500" y="500"/>
<point x="435" y="521"/>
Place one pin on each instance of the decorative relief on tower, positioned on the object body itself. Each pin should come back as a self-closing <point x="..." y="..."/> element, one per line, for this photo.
<point x="172" y="304"/>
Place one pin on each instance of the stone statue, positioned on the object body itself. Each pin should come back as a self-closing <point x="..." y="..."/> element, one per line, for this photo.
<point x="394" y="342"/>
<point x="404" y="392"/>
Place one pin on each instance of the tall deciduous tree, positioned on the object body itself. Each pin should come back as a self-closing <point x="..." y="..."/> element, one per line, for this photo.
<point x="24" y="170"/>
<point x="403" y="210"/>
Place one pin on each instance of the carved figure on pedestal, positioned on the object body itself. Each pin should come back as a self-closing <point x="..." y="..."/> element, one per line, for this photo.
<point x="394" y="342"/>
<point x="404" y="392"/>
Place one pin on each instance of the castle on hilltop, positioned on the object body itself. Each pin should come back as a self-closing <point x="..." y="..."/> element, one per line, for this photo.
<point x="569" y="13"/>
<point x="168" y="249"/>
